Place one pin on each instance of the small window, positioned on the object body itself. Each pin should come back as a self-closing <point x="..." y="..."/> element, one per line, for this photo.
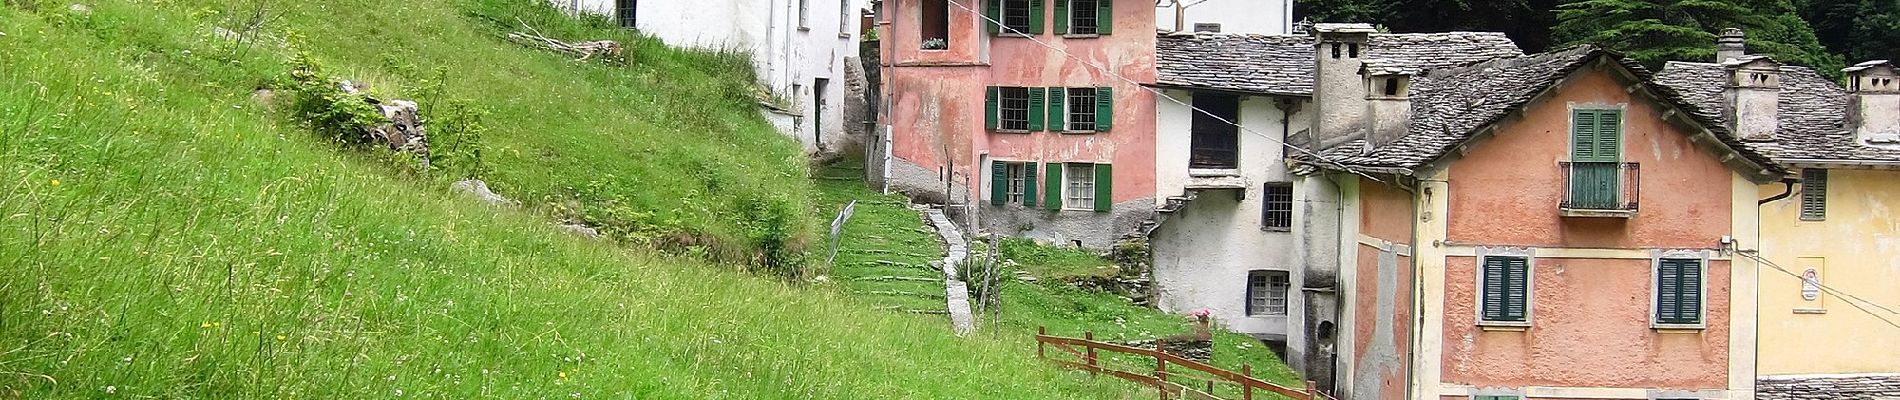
<point x="935" y="29"/>
<point x="1679" y="291"/>
<point x="1335" y="51"/>
<point x="1014" y="108"/>
<point x="1014" y="186"/>
<point x="1277" y="213"/>
<point x="844" y="17"/>
<point x="1391" y="87"/>
<point x="1084" y="16"/>
<point x="1813" y="194"/>
<point x="1017" y="15"/>
<point x="1504" y="289"/>
<point x="624" y="12"/>
<point x="1206" y="27"/>
<point x="1266" y="293"/>
<point x="804" y="14"/>
<point x="1353" y="51"/>
<point x="1081" y="109"/>
<point x="1013" y="183"/>
<point x="1079" y="187"/>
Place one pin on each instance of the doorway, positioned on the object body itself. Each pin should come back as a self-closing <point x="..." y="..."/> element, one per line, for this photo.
<point x="819" y="103"/>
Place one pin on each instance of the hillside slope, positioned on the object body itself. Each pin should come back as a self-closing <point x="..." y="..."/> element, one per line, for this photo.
<point x="163" y="235"/>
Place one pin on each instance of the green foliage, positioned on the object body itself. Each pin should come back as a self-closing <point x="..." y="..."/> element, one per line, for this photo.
<point x="455" y="129"/>
<point x="318" y="100"/>
<point x="1861" y="30"/>
<point x="1055" y="262"/>
<point x="1527" y="22"/>
<point x="1655" y="31"/>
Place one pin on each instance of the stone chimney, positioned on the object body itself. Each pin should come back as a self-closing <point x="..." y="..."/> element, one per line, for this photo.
<point x="1873" y="105"/>
<point x="1754" y="97"/>
<point x="1388" y="104"/>
<point x="1339" y="91"/>
<point x="1730" y="45"/>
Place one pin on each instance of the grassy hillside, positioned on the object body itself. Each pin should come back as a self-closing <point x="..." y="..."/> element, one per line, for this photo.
<point x="163" y="235"/>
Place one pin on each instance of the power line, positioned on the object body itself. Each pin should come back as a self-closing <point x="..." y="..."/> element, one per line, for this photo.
<point x="1751" y="254"/>
<point x="1158" y="93"/>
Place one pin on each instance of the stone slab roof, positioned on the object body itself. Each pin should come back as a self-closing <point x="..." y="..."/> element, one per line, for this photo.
<point x="1283" y="64"/>
<point x="1451" y="105"/>
<point x="1828" y="387"/>
<point x="1813" y="112"/>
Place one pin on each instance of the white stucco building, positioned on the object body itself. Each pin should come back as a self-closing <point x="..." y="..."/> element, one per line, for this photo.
<point x="1225" y="16"/>
<point x="800" y="49"/>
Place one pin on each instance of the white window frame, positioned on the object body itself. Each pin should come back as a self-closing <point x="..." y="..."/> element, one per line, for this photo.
<point x="1655" y="287"/>
<point x="1530" y="286"/>
<point x="1260" y="299"/>
<point x="1069" y="109"/>
<point x="1015" y="176"/>
<point x="1072" y="25"/>
<point x="1071" y="186"/>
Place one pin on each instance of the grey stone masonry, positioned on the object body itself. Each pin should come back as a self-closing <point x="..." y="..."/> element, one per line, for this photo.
<point x="1283" y="64"/>
<point x="1828" y="387"/>
<point x="957" y="294"/>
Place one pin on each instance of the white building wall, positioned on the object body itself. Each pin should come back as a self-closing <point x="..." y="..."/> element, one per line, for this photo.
<point x="1204" y="252"/>
<point x="788" y="54"/>
<point x="1235" y="16"/>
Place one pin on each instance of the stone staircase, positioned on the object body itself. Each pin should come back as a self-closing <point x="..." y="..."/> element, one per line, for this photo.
<point x="1167" y="208"/>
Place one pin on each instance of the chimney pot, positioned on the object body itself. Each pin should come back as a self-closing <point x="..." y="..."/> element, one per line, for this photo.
<point x="1730" y="45"/>
<point x="1874" y="102"/>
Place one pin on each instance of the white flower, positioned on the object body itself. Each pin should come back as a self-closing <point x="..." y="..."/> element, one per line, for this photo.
<point x="112" y="389"/>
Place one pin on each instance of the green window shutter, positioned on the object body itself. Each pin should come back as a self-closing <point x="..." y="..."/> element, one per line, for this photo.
<point x="1104" y="106"/>
<point x="999" y="182"/>
<point x="1062" y="16"/>
<point x="1058" y="115"/>
<point x="1583" y="135"/>
<point x="1679" y="291"/>
<point x="990" y="117"/>
<point x="1104" y="188"/>
<point x="1104" y="17"/>
<point x="1037" y="105"/>
<point x="1813" y="194"/>
<point x="1516" y="288"/>
<point x="1052" y="197"/>
<point x="1691" y="292"/>
<point x="1029" y="184"/>
<point x="994" y="10"/>
<point x="1036" y="16"/>
<point x="1609" y="135"/>
<point x="1492" y="298"/>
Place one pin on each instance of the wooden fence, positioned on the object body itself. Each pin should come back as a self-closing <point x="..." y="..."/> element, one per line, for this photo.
<point x="1159" y="378"/>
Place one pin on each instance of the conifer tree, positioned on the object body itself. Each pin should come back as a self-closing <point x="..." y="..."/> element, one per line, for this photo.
<point x="1656" y="31"/>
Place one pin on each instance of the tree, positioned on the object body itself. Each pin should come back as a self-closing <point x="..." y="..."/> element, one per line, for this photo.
<point x="1527" y="22"/>
<point x="1656" y="31"/>
<point x="1861" y="30"/>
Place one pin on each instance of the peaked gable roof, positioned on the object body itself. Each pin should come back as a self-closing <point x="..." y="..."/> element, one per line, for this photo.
<point x="1451" y="107"/>
<point x="1812" y="111"/>
<point x="1283" y="64"/>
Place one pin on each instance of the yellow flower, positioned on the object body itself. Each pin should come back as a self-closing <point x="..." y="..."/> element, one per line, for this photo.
<point x="206" y="325"/>
<point x="280" y="338"/>
<point x="55" y="183"/>
<point x="563" y="374"/>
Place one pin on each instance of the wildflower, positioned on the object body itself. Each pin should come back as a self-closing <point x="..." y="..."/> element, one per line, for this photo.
<point x="55" y="183"/>
<point x="112" y="389"/>
<point x="564" y="375"/>
<point x="206" y="325"/>
<point x="1201" y="313"/>
<point x="281" y="338"/>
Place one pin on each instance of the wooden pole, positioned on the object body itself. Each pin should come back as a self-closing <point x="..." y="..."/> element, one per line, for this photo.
<point x="1161" y="370"/>
<point x="1040" y="331"/>
<point x="1246" y="390"/>
<point x="1312" y="391"/>
<point x="1090" y="336"/>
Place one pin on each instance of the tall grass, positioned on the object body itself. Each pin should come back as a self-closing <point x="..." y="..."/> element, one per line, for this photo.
<point x="164" y="236"/>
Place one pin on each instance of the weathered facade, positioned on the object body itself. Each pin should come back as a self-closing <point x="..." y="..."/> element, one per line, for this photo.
<point x="800" y="49"/>
<point x="1826" y="230"/>
<point x="1039" y="144"/>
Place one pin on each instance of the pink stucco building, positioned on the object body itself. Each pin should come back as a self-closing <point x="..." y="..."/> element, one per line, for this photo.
<point x="1039" y="122"/>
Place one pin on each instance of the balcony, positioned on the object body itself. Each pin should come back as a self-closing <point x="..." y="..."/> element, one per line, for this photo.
<point x="1600" y="189"/>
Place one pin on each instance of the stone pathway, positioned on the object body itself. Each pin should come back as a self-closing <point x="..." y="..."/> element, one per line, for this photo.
<point x="957" y="294"/>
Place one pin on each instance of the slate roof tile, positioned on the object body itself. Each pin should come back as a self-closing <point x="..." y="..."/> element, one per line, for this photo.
<point x="1283" y="64"/>
<point x="1812" y="111"/>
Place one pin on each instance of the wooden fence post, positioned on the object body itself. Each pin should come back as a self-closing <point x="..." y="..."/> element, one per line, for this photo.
<point x="1246" y="390"/>
<point x="1312" y="391"/>
<point x="1040" y="331"/>
<point x="1090" y="359"/>
<point x="1161" y="370"/>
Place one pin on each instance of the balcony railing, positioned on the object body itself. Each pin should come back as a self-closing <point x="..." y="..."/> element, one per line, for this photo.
<point x="1604" y="189"/>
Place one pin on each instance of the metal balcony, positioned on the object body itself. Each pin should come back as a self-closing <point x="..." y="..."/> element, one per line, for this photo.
<point x="1600" y="189"/>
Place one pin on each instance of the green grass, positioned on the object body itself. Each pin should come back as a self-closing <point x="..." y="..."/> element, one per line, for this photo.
<point x="883" y="222"/>
<point x="162" y="235"/>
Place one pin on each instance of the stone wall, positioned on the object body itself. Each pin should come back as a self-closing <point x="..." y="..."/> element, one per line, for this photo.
<point x="1820" y="387"/>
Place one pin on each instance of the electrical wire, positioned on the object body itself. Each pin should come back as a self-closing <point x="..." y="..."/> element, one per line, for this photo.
<point x="1844" y="296"/>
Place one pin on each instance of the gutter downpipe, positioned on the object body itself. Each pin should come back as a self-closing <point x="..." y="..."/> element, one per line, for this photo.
<point x="1785" y="193"/>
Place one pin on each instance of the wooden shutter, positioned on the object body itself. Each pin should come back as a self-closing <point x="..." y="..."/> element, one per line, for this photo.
<point x="1679" y="291"/>
<point x="1037" y="108"/>
<point x="1516" y="288"/>
<point x="1052" y="194"/>
<point x="1104" y="188"/>
<point x="991" y="119"/>
<point x="1104" y="106"/>
<point x="1690" y="292"/>
<point x="1609" y="135"/>
<point x="999" y="182"/>
<point x="1104" y="16"/>
<point x="1813" y="194"/>
<point x="994" y="10"/>
<point x="1036" y="17"/>
<point x="1583" y="135"/>
<point x="1029" y="184"/>
<point x="1492" y="294"/>
<point x="1058" y="115"/>
<point x="1062" y="16"/>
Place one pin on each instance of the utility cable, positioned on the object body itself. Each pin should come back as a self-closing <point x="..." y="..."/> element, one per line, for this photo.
<point x="1844" y="296"/>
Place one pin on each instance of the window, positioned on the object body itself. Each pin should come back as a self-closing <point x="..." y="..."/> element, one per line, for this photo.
<point x="1678" y="291"/>
<point x="1215" y="141"/>
<point x="1019" y="17"/>
<point x="1206" y="27"/>
<point x="844" y="17"/>
<point x="804" y="14"/>
<point x="1078" y="186"/>
<point x="624" y="12"/>
<point x="1079" y="191"/>
<point x="1277" y="213"/>
<point x="1595" y="155"/>
<point x="1504" y="289"/>
<point x="1070" y="110"/>
<point x="1013" y="183"/>
<point x="1813" y="194"/>
<point x="935" y="25"/>
<point x="1266" y="293"/>
<point x="1084" y="17"/>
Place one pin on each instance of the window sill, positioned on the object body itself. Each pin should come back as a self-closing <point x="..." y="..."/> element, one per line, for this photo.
<point x="842" y="35"/>
<point x="1810" y="311"/>
<point x="1015" y="131"/>
<point x="804" y="29"/>
<point x="1077" y="132"/>
<point x="1582" y="213"/>
<point x="1504" y="327"/>
<point x="1081" y="35"/>
<point x="1276" y="229"/>
<point x="1014" y="35"/>
<point x="1213" y="172"/>
<point x="1677" y="329"/>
